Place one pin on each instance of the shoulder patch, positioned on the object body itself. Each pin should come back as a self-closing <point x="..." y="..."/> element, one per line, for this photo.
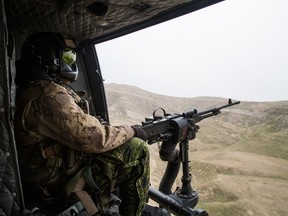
<point x="63" y="99"/>
<point x="53" y="88"/>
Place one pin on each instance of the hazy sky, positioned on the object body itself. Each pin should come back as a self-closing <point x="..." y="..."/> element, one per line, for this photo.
<point x="234" y="49"/>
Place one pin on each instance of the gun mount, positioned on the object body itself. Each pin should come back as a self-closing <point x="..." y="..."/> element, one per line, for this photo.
<point x="171" y="130"/>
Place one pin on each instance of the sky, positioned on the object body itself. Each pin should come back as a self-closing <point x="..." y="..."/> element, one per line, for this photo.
<point x="234" y="49"/>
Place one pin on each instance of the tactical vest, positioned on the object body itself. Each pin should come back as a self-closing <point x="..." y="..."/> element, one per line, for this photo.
<point x="53" y="162"/>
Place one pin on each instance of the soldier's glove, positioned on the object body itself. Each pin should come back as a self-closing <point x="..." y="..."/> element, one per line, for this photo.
<point x="139" y="132"/>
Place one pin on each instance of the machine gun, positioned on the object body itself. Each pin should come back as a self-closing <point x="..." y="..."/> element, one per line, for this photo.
<point x="170" y="130"/>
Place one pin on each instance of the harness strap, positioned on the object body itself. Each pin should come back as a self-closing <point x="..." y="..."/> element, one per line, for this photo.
<point x="102" y="196"/>
<point x="54" y="162"/>
<point x="74" y="183"/>
<point x="75" y="186"/>
<point x="105" y="169"/>
<point x="72" y="163"/>
<point x="87" y="202"/>
<point x="89" y="179"/>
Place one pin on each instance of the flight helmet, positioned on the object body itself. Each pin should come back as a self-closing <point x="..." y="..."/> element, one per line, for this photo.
<point x="53" y="53"/>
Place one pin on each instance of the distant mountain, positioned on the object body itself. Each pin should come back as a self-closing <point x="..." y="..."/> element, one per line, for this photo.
<point x="240" y="126"/>
<point x="239" y="159"/>
<point x="135" y="103"/>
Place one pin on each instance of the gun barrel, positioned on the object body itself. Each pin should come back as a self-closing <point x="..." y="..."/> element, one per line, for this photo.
<point x="217" y="109"/>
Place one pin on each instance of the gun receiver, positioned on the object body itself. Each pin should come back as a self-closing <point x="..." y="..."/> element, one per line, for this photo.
<point x="170" y="130"/>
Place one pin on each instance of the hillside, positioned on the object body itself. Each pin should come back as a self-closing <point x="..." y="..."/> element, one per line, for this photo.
<point x="239" y="159"/>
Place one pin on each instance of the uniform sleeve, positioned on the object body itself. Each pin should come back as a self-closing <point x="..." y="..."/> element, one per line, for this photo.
<point x="61" y="119"/>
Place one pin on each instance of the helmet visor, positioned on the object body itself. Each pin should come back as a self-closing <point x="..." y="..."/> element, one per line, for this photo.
<point x="69" y="56"/>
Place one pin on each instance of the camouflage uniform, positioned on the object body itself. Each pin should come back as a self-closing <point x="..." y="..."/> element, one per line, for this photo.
<point x="56" y="138"/>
